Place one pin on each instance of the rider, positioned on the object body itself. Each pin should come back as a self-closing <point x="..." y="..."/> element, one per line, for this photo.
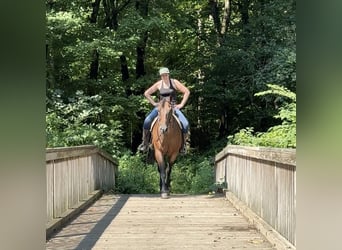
<point x="166" y="87"/>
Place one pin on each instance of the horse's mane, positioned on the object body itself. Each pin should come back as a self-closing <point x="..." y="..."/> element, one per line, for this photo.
<point x="163" y="101"/>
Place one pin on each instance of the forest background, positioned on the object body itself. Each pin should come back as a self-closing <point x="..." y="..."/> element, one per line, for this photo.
<point x="237" y="57"/>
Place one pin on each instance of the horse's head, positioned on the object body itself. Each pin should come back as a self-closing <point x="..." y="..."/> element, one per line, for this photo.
<point x="164" y="114"/>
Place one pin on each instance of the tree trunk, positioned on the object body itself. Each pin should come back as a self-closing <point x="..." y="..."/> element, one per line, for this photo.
<point x="124" y="68"/>
<point x="243" y="8"/>
<point x="112" y="10"/>
<point x="226" y="17"/>
<point x="94" y="66"/>
<point x="142" y="8"/>
<point x="221" y="27"/>
<point x="111" y="14"/>
<point x="107" y="11"/>
<point x="223" y="125"/>
<point x="215" y="13"/>
<point x="114" y="20"/>
<point x="140" y="65"/>
<point x="50" y="79"/>
<point x="94" y="14"/>
<point x="125" y="74"/>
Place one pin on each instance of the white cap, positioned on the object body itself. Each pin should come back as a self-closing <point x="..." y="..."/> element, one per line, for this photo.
<point x="164" y="71"/>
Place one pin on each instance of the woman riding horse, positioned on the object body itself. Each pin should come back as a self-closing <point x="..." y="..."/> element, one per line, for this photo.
<point x="166" y="87"/>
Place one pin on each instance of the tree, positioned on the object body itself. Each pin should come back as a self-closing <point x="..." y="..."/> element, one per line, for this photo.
<point x="281" y="136"/>
<point x="224" y="51"/>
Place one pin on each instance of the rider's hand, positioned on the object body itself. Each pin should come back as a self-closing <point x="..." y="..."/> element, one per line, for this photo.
<point x="178" y="106"/>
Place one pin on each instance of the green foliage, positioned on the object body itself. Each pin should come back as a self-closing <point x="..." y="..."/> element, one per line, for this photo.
<point x="193" y="174"/>
<point x="78" y="122"/>
<point x="223" y="71"/>
<point x="218" y="186"/>
<point x="278" y="90"/>
<point x="136" y="177"/>
<point x="282" y="136"/>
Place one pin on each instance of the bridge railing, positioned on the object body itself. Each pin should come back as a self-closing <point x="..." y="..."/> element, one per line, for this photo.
<point x="264" y="180"/>
<point x="74" y="176"/>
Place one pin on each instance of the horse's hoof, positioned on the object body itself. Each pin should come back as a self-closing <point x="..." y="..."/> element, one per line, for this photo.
<point x="164" y="195"/>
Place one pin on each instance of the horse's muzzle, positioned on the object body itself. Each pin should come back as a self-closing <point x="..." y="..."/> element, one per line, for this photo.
<point x="163" y="128"/>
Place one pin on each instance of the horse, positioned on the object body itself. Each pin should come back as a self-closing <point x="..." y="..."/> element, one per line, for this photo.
<point x="167" y="142"/>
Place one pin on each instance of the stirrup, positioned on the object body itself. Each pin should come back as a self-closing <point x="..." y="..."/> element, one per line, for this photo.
<point x="143" y="148"/>
<point x="183" y="151"/>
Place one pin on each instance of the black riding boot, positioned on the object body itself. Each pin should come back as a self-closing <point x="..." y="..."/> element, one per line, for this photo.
<point x="143" y="147"/>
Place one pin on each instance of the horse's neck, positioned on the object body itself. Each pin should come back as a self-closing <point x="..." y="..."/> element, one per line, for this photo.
<point x="173" y="122"/>
<point x="172" y="126"/>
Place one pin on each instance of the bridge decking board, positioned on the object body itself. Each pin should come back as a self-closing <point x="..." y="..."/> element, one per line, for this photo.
<point x="149" y="222"/>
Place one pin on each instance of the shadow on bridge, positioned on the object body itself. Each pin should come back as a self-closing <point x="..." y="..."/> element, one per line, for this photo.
<point x="81" y="233"/>
<point x="89" y="241"/>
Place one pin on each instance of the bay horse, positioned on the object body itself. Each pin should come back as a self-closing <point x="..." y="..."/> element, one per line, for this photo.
<point x="167" y="142"/>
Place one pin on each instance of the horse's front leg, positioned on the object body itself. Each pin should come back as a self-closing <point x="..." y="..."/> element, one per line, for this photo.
<point x="172" y="160"/>
<point x="162" y="176"/>
<point x="164" y="189"/>
<point x="168" y="177"/>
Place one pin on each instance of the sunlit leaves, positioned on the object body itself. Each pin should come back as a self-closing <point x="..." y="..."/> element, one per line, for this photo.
<point x="282" y="136"/>
<point x="79" y="122"/>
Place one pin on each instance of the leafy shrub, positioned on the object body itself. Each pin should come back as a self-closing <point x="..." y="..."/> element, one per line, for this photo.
<point x="193" y="174"/>
<point x="77" y="121"/>
<point x="282" y="136"/>
<point x="190" y="174"/>
<point x="204" y="176"/>
<point x="135" y="176"/>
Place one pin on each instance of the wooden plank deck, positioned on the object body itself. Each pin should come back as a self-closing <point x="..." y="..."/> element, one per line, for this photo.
<point x="149" y="222"/>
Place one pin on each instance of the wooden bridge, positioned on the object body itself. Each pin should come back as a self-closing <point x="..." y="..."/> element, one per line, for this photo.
<point x="257" y="211"/>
